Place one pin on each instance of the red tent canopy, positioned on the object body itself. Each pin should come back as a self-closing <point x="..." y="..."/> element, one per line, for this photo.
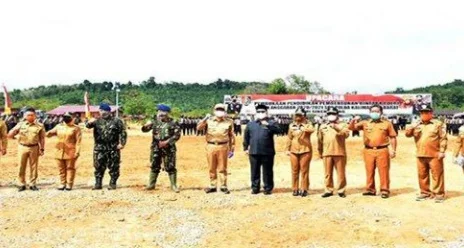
<point x="76" y="109"/>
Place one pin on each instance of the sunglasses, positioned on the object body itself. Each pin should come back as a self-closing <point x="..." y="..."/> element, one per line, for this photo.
<point x="261" y="111"/>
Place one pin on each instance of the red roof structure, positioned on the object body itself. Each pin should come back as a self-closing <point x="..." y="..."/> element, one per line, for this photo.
<point x="77" y="109"/>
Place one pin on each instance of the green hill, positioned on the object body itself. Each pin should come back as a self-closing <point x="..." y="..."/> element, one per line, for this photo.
<point x="192" y="99"/>
<point x="449" y="96"/>
<point x="195" y="99"/>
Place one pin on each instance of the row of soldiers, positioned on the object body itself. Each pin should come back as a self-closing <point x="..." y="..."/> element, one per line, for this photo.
<point x="188" y="125"/>
<point x="110" y="138"/>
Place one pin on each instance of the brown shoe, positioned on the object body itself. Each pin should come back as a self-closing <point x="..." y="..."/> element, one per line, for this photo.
<point x="368" y="193"/>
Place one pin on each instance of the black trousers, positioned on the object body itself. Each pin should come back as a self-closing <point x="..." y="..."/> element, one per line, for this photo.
<point x="267" y="163"/>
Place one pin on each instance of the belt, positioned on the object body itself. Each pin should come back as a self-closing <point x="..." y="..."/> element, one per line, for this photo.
<point x="218" y="143"/>
<point x="375" y="147"/>
<point x="29" y="145"/>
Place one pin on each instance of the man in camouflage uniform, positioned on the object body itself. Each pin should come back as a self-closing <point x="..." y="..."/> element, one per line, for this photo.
<point x="166" y="132"/>
<point x="110" y="137"/>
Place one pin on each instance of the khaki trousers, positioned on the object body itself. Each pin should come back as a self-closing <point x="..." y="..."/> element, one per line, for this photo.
<point x="217" y="161"/>
<point x="28" y="155"/>
<point x="67" y="171"/>
<point x="425" y="166"/>
<point x="339" y="163"/>
<point x="300" y="165"/>
<point x="379" y="159"/>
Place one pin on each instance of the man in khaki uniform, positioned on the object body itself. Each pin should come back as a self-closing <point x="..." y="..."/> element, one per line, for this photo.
<point x="300" y="150"/>
<point x="31" y="145"/>
<point x="378" y="134"/>
<point x="431" y="141"/>
<point x="3" y="137"/>
<point x="459" y="148"/>
<point x="332" y="150"/>
<point x="220" y="146"/>
<point x="67" y="150"/>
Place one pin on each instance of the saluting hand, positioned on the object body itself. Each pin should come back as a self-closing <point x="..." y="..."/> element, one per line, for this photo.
<point x="441" y="155"/>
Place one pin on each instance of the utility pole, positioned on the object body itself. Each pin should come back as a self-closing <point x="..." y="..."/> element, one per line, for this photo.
<point x="116" y="88"/>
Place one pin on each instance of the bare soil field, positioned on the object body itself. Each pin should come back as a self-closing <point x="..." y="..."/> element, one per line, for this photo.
<point x="133" y="217"/>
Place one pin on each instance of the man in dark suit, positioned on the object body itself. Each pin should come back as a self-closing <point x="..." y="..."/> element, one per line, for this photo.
<point x="258" y="143"/>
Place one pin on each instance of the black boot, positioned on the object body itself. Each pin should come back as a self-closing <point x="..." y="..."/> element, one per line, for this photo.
<point x="112" y="185"/>
<point x="98" y="183"/>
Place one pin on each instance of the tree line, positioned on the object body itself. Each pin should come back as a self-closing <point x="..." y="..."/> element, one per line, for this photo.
<point x="195" y="99"/>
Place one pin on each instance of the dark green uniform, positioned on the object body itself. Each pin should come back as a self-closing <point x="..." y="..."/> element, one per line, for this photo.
<point x="163" y="131"/>
<point x="108" y="133"/>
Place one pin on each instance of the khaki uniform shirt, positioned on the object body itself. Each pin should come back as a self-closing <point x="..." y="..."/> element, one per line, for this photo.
<point x="219" y="131"/>
<point x="4" y="135"/>
<point x="459" y="149"/>
<point x="29" y="134"/>
<point x="376" y="133"/>
<point x="69" y="140"/>
<point x="299" y="138"/>
<point x="430" y="138"/>
<point x="332" y="142"/>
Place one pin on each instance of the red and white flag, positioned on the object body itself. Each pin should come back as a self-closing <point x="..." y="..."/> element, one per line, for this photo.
<point x="8" y="102"/>
<point x="87" y="105"/>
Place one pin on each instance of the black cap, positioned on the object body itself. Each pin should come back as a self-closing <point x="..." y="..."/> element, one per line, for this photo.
<point x="29" y="109"/>
<point x="300" y="111"/>
<point x="332" y="110"/>
<point x="425" y="108"/>
<point x="261" y="106"/>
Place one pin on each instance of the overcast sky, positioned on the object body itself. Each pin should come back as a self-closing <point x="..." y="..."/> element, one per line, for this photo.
<point x="345" y="45"/>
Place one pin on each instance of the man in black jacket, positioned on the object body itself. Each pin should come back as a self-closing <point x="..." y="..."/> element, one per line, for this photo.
<point x="258" y="143"/>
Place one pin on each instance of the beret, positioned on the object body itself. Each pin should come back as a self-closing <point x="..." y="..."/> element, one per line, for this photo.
<point x="105" y="107"/>
<point x="164" y="108"/>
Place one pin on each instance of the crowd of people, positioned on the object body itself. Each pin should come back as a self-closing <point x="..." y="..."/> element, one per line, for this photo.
<point x="110" y="137"/>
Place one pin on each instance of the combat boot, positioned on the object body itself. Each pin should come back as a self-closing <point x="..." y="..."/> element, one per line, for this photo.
<point x="152" y="181"/>
<point x="112" y="185"/>
<point x="98" y="184"/>
<point x="173" y="179"/>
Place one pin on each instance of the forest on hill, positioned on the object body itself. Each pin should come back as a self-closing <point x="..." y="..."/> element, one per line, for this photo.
<point x="195" y="99"/>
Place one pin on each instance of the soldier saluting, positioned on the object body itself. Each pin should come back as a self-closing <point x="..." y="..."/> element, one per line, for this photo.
<point x="166" y="132"/>
<point x="110" y="137"/>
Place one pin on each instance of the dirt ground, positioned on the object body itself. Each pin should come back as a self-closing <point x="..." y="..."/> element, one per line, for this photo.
<point x="132" y="217"/>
